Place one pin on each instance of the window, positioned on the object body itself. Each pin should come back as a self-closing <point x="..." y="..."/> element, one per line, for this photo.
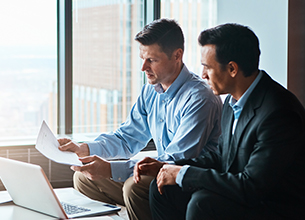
<point x="28" y="67"/>
<point x="193" y="17"/>
<point x="106" y="65"/>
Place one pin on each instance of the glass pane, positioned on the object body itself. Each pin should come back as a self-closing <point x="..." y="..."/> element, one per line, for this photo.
<point x="193" y="16"/>
<point x="106" y="64"/>
<point x="28" y="67"/>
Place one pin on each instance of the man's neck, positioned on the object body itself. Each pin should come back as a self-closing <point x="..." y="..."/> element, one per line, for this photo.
<point x="166" y="85"/>
<point x="243" y="83"/>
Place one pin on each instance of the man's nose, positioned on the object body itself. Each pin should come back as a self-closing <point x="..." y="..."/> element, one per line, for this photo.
<point x="204" y="74"/>
<point x="145" y="65"/>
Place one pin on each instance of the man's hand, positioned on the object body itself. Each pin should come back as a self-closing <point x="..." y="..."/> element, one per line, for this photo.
<point x="81" y="149"/>
<point x="167" y="176"/>
<point x="95" y="168"/>
<point x="148" y="166"/>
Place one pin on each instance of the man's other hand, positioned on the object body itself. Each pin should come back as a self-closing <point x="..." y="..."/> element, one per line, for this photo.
<point x="167" y="176"/>
<point x="81" y="149"/>
<point x="148" y="166"/>
<point x="95" y="168"/>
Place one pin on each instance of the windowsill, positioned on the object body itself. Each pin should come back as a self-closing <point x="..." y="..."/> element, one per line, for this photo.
<point x="31" y="140"/>
<point x="18" y="142"/>
<point x="23" y="142"/>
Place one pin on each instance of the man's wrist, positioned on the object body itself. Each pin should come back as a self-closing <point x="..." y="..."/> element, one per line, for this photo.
<point x="109" y="170"/>
<point x="84" y="149"/>
<point x="181" y="174"/>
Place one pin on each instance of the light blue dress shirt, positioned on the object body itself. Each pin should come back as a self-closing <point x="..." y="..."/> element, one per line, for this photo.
<point x="184" y="121"/>
<point x="237" y="107"/>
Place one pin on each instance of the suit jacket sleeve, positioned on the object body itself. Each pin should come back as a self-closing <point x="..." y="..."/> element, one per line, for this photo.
<point x="210" y="159"/>
<point x="272" y="156"/>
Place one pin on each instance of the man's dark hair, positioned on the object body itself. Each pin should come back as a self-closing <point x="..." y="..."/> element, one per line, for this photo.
<point x="233" y="42"/>
<point x="165" y="32"/>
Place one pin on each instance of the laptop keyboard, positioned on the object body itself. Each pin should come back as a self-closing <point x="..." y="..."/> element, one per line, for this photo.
<point x="73" y="209"/>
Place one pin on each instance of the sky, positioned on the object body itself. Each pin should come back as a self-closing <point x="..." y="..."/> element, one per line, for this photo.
<point x="27" y="22"/>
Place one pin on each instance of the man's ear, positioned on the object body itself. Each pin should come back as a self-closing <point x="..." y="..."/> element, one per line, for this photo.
<point x="232" y="68"/>
<point x="178" y="54"/>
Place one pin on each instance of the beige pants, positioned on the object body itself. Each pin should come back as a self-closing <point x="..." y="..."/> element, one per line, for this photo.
<point x="134" y="196"/>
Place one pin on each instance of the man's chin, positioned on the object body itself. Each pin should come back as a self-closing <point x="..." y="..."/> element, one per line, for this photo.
<point x="215" y="92"/>
<point x="152" y="82"/>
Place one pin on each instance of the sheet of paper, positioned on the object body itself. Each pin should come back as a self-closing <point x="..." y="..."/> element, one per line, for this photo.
<point x="47" y="144"/>
<point x="5" y="197"/>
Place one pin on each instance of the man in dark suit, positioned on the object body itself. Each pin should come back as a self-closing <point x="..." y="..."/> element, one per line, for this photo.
<point x="259" y="172"/>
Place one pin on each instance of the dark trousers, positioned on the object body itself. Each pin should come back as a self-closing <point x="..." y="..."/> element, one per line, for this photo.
<point x="202" y="204"/>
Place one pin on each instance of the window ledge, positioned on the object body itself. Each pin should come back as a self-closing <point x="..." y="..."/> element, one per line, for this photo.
<point x="17" y="142"/>
<point x="31" y="140"/>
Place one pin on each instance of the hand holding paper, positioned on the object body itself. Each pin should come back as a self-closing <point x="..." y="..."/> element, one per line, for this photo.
<point x="47" y="144"/>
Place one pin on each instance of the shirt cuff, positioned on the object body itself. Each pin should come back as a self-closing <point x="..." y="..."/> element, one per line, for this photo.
<point x="94" y="148"/>
<point x="181" y="174"/>
<point x="121" y="170"/>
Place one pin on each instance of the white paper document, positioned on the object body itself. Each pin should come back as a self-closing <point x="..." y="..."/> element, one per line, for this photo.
<point x="47" y="144"/>
<point x="5" y="197"/>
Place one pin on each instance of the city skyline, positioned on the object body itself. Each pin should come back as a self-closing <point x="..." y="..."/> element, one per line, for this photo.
<point x="106" y="65"/>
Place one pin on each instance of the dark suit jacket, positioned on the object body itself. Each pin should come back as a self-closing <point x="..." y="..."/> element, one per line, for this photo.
<point x="264" y="162"/>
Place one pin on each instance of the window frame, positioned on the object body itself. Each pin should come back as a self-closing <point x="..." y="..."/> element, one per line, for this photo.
<point x="65" y="59"/>
<point x="64" y="68"/>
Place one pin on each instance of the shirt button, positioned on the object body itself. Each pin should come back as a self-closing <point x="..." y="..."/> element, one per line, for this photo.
<point x="163" y="101"/>
<point x="119" y="178"/>
<point x="159" y="139"/>
<point x="161" y="120"/>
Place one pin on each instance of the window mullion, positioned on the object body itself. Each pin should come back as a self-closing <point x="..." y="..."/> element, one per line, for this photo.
<point x="64" y="66"/>
<point x="157" y="9"/>
<point x="152" y="10"/>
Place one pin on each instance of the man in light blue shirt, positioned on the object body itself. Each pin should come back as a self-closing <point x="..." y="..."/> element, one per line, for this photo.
<point x="176" y="109"/>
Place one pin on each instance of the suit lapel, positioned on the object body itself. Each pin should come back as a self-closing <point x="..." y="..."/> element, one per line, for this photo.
<point x="248" y="113"/>
<point x="235" y="140"/>
<point x="227" y="122"/>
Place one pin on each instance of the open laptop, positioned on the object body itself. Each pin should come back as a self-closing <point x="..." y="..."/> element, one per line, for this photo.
<point x="29" y="187"/>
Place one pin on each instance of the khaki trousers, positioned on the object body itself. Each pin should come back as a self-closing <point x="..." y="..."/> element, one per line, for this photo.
<point x="134" y="196"/>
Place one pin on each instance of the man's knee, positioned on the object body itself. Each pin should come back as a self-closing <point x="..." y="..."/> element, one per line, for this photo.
<point x="128" y="187"/>
<point x="136" y="190"/>
<point x="199" y="205"/>
<point x="136" y="198"/>
<point x="153" y="190"/>
<point x="79" y="180"/>
<point x="104" y="190"/>
<point x="205" y="204"/>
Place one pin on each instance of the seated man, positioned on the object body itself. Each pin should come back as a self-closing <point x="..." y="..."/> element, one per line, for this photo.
<point x="176" y="109"/>
<point x="260" y="172"/>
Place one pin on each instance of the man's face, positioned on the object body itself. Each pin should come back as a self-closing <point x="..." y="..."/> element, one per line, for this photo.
<point x="157" y="66"/>
<point x="217" y="78"/>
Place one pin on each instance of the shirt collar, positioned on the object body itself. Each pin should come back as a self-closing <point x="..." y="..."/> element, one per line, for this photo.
<point x="179" y="81"/>
<point x="159" y="89"/>
<point x="242" y="101"/>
